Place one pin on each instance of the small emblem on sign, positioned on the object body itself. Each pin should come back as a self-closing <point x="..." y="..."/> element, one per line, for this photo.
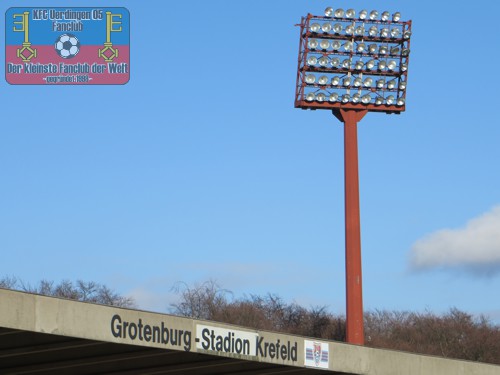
<point x="316" y="354"/>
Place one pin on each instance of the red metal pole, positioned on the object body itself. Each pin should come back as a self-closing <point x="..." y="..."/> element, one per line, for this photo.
<point x="354" y="287"/>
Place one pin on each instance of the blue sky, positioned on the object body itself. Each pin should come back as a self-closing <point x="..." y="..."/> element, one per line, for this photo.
<point x="201" y="168"/>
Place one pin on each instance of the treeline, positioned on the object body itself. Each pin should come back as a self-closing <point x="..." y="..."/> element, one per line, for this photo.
<point x="80" y="291"/>
<point x="455" y="334"/>
<point x="209" y="301"/>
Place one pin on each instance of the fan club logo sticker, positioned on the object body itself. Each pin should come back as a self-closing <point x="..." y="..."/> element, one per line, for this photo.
<point x="67" y="46"/>
<point x="316" y="354"/>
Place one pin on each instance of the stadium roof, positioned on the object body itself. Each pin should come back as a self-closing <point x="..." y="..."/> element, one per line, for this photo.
<point x="44" y="335"/>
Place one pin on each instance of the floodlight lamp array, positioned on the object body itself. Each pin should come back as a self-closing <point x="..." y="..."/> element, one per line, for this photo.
<point x="350" y="59"/>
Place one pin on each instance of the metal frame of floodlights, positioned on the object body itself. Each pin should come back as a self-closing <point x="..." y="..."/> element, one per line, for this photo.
<point x="353" y="63"/>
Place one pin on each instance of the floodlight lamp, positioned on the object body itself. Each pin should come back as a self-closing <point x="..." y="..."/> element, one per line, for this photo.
<point x="358" y="82"/>
<point x="350" y="13"/>
<point x="400" y="102"/>
<point x="320" y="97"/>
<point x="392" y="65"/>
<point x="346" y="64"/>
<point x="372" y="48"/>
<point x="346" y="98"/>
<point x="312" y="60"/>
<point x="315" y="27"/>
<point x="368" y="82"/>
<point x="361" y="47"/>
<point x="407" y="34"/>
<point x="310" y="79"/>
<point x="381" y="65"/>
<point x="366" y="99"/>
<point x="333" y="97"/>
<point x="337" y="28"/>
<point x="323" y="61"/>
<point x="384" y="33"/>
<point x="323" y="80"/>
<point x="312" y="44"/>
<point x="356" y="98"/>
<point x="324" y="44"/>
<point x="363" y="14"/>
<point x="310" y="97"/>
<point x="359" y="65"/>
<point x="404" y="67"/>
<point x="373" y="31"/>
<point x="396" y="17"/>
<point x="370" y="64"/>
<point x="335" y="81"/>
<point x="335" y="62"/>
<point x="402" y="85"/>
<point x="383" y="50"/>
<point x="349" y="30"/>
<point x="391" y="84"/>
<point x="326" y="27"/>
<point x="373" y="15"/>
<point x="405" y="52"/>
<point x="348" y="46"/>
<point x="389" y="100"/>
<point x="339" y="13"/>
<point x="395" y="32"/>
<point x="360" y="30"/>
<point x="329" y="12"/>
<point x="336" y="45"/>
<point x="379" y="100"/>
<point x="394" y="51"/>
<point x="385" y="16"/>
<point x="346" y="82"/>
<point x="380" y="83"/>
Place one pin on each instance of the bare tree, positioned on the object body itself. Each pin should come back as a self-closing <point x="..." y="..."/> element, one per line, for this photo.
<point x="8" y="282"/>
<point x="202" y="301"/>
<point x="79" y="291"/>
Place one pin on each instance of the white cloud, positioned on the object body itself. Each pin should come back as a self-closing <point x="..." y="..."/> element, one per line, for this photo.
<point x="474" y="248"/>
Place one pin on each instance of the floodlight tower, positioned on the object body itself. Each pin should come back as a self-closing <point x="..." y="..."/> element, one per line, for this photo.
<point x="353" y="63"/>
